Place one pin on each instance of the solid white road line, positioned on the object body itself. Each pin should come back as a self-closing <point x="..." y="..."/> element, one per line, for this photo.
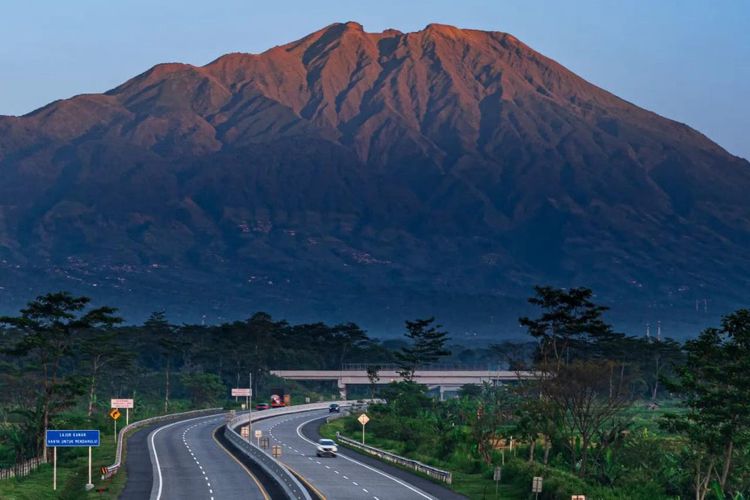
<point x="156" y="495"/>
<point x="405" y="485"/>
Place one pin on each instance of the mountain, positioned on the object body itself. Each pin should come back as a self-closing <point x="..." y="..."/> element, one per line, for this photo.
<point x="372" y="177"/>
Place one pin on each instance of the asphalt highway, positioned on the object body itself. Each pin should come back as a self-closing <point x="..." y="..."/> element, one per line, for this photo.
<point x="340" y="478"/>
<point x="188" y="463"/>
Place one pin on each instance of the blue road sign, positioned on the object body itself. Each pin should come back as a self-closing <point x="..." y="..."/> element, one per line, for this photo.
<point x="72" y="438"/>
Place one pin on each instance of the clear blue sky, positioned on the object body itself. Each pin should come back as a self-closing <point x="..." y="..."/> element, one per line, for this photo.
<point x="686" y="59"/>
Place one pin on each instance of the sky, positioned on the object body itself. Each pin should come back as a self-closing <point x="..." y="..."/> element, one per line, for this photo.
<point x="688" y="60"/>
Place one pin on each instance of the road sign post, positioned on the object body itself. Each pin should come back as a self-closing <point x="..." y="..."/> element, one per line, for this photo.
<point x="114" y="414"/>
<point x="497" y="476"/>
<point x="536" y="486"/>
<point x="247" y="392"/>
<point x="363" y="419"/>
<point x="258" y="434"/>
<point x="90" y="484"/>
<point x="125" y="404"/>
<point x="70" y="439"/>
<point x="276" y="451"/>
<point x="245" y="431"/>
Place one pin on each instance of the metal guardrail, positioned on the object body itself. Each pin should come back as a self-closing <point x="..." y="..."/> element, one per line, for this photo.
<point x="115" y="467"/>
<point x="288" y="482"/>
<point x="291" y="486"/>
<point x="433" y="472"/>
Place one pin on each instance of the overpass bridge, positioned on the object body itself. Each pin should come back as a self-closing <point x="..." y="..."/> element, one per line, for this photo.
<point x="441" y="379"/>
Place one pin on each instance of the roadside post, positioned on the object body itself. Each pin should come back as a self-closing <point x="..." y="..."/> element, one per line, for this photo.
<point x="125" y="404"/>
<point x="536" y="486"/>
<point x="363" y="419"/>
<point x="497" y="476"/>
<point x="114" y="414"/>
<point x="70" y="439"/>
<point x="242" y="391"/>
<point x="258" y="434"/>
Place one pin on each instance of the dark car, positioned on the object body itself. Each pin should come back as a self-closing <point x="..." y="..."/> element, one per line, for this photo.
<point x="262" y="406"/>
<point x="334" y="408"/>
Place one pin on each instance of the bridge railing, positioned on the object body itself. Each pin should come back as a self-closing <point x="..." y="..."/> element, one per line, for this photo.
<point x="433" y="472"/>
<point x="115" y="467"/>
<point x="387" y="367"/>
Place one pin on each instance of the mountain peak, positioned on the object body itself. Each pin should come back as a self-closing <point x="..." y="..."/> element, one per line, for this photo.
<point x="442" y="28"/>
<point x="351" y="158"/>
<point x="354" y="25"/>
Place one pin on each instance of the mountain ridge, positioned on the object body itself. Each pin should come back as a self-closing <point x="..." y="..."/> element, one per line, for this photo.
<point x="404" y="169"/>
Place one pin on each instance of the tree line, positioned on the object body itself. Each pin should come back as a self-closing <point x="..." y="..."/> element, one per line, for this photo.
<point x="591" y="420"/>
<point x="61" y="356"/>
<point x="61" y="359"/>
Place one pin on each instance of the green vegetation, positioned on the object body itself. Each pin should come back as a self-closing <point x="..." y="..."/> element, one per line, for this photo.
<point x="61" y="360"/>
<point x="600" y="420"/>
<point x="606" y="415"/>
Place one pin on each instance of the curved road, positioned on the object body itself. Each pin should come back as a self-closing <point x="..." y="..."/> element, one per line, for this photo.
<point x="343" y="477"/>
<point x="188" y="463"/>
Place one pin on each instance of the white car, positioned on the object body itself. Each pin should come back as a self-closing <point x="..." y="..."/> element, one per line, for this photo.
<point x="326" y="447"/>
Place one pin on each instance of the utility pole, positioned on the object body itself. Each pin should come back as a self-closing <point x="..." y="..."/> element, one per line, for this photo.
<point x="250" y="400"/>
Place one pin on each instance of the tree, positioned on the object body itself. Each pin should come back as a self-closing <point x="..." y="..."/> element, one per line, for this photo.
<point x="265" y="337"/>
<point x="203" y="388"/>
<point x="715" y="389"/>
<point x="495" y="408"/>
<point x="582" y="364"/>
<point x="537" y="417"/>
<point x="374" y="377"/>
<point x="100" y="349"/>
<point x="582" y="395"/>
<point x="569" y="323"/>
<point x="49" y="326"/>
<point x="427" y="346"/>
<point x="347" y="336"/>
<point x="655" y="359"/>
<point x="160" y="330"/>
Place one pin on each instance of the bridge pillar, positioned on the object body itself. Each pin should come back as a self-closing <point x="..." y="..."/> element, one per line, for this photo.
<point x="342" y="389"/>
<point x="442" y="393"/>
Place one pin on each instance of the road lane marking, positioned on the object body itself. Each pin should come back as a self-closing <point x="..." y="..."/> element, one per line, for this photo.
<point x="405" y="485"/>
<point x="152" y="449"/>
<point x="257" y="482"/>
<point x="304" y="480"/>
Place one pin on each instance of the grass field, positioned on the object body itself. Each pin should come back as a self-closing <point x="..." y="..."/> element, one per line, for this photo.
<point x="480" y="486"/>
<point x="72" y="476"/>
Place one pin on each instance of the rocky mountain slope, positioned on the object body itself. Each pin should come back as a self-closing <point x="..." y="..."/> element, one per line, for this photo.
<point x="371" y="177"/>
